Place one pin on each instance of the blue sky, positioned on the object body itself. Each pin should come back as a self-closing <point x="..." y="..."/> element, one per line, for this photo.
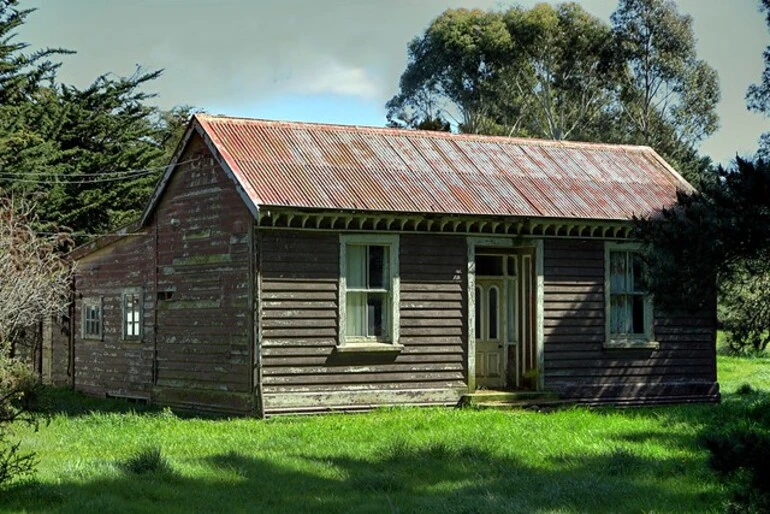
<point x="335" y="61"/>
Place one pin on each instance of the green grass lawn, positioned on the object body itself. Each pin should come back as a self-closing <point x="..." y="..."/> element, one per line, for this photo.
<point x="399" y="460"/>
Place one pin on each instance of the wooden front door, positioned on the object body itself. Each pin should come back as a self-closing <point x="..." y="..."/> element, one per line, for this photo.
<point x="490" y="332"/>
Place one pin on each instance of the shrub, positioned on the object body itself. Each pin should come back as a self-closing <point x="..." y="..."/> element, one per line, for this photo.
<point x="740" y="451"/>
<point x="17" y="385"/>
<point x="148" y="461"/>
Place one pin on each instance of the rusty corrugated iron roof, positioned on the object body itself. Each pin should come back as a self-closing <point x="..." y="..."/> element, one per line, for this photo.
<point x="335" y="167"/>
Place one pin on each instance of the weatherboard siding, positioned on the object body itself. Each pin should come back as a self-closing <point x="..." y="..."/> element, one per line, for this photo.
<point x="204" y="279"/>
<point x="301" y="369"/>
<point x="112" y="365"/>
<point x="579" y="367"/>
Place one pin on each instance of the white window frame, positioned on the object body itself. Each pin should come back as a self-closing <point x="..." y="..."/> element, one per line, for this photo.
<point x="123" y="323"/>
<point x="392" y="340"/>
<point x="612" y="341"/>
<point x="88" y="303"/>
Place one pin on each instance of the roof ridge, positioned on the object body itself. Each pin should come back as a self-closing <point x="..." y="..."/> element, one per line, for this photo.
<point x="428" y="133"/>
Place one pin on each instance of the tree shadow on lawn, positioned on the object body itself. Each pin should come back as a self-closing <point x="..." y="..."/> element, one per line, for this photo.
<point x="700" y="420"/>
<point x="397" y="478"/>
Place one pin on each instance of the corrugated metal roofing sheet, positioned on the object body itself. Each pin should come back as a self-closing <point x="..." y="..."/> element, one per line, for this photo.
<point x="336" y="167"/>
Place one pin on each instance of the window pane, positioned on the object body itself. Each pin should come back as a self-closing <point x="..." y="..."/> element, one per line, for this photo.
<point x="636" y="273"/>
<point x="493" y="312"/>
<point x="378" y="267"/>
<point x="376" y="315"/>
<point x="511" y="312"/>
<point x="356" y="267"/>
<point x="479" y="299"/>
<point x="489" y="265"/>
<point x="638" y="315"/>
<point x="620" y="314"/>
<point x="618" y="272"/>
<point x="355" y="314"/>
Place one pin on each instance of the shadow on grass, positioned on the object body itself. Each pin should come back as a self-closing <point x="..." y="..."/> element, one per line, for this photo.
<point x="66" y="402"/>
<point x="397" y="478"/>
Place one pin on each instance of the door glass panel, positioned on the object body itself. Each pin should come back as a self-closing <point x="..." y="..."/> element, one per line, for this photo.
<point x="489" y="265"/>
<point x="637" y="315"/>
<point x="511" y="299"/>
<point x="511" y="266"/>
<point x="479" y="299"/>
<point x="492" y="307"/>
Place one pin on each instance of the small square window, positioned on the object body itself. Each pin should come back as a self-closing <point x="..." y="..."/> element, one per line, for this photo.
<point x="92" y="318"/>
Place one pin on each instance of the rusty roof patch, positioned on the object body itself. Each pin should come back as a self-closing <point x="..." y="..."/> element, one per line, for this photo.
<point x="334" y="167"/>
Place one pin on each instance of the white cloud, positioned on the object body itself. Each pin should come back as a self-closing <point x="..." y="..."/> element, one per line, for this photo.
<point x="337" y="78"/>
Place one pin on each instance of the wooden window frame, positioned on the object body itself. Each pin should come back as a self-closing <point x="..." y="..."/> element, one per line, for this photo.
<point x="391" y="341"/>
<point x="630" y="341"/>
<point x="124" y="295"/>
<point x="86" y="304"/>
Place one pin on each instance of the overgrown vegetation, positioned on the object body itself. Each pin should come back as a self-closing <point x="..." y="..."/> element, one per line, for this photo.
<point x="34" y="286"/>
<point x="740" y="449"/>
<point x="717" y="241"/>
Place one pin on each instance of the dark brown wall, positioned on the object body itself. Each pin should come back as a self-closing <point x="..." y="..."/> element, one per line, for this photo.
<point x="114" y="366"/>
<point x="302" y="371"/>
<point x="577" y="364"/>
<point x="204" y="331"/>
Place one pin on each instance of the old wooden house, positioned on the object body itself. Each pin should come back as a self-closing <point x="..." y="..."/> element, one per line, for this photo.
<point x="288" y="267"/>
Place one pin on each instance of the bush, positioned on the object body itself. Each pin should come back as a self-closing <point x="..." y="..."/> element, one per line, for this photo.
<point x="740" y="450"/>
<point x="745" y="311"/>
<point x="18" y="386"/>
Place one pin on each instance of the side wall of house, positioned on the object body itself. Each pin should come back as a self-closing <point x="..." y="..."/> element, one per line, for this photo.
<point x="301" y="369"/>
<point x="578" y="366"/>
<point x="194" y="261"/>
<point x="205" y="281"/>
<point x="112" y="365"/>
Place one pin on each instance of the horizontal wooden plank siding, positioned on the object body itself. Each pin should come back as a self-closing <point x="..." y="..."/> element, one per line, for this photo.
<point x="577" y="364"/>
<point x="204" y="318"/>
<point x="112" y="366"/>
<point x="300" y="366"/>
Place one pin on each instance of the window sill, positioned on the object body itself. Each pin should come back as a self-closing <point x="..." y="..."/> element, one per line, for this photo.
<point x="369" y="348"/>
<point x="632" y="345"/>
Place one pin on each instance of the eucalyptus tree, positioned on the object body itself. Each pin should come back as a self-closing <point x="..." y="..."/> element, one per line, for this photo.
<point x="665" y="85"/>
<point x="758" y="96"/>
<point x="540" y="72"/>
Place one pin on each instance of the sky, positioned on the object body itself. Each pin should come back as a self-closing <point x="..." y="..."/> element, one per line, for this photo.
<point x="335" y="61"/>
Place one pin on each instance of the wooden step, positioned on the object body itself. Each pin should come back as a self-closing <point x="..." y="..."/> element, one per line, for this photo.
<point x="522" y="405"/>
<point x="488" y="397"/>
